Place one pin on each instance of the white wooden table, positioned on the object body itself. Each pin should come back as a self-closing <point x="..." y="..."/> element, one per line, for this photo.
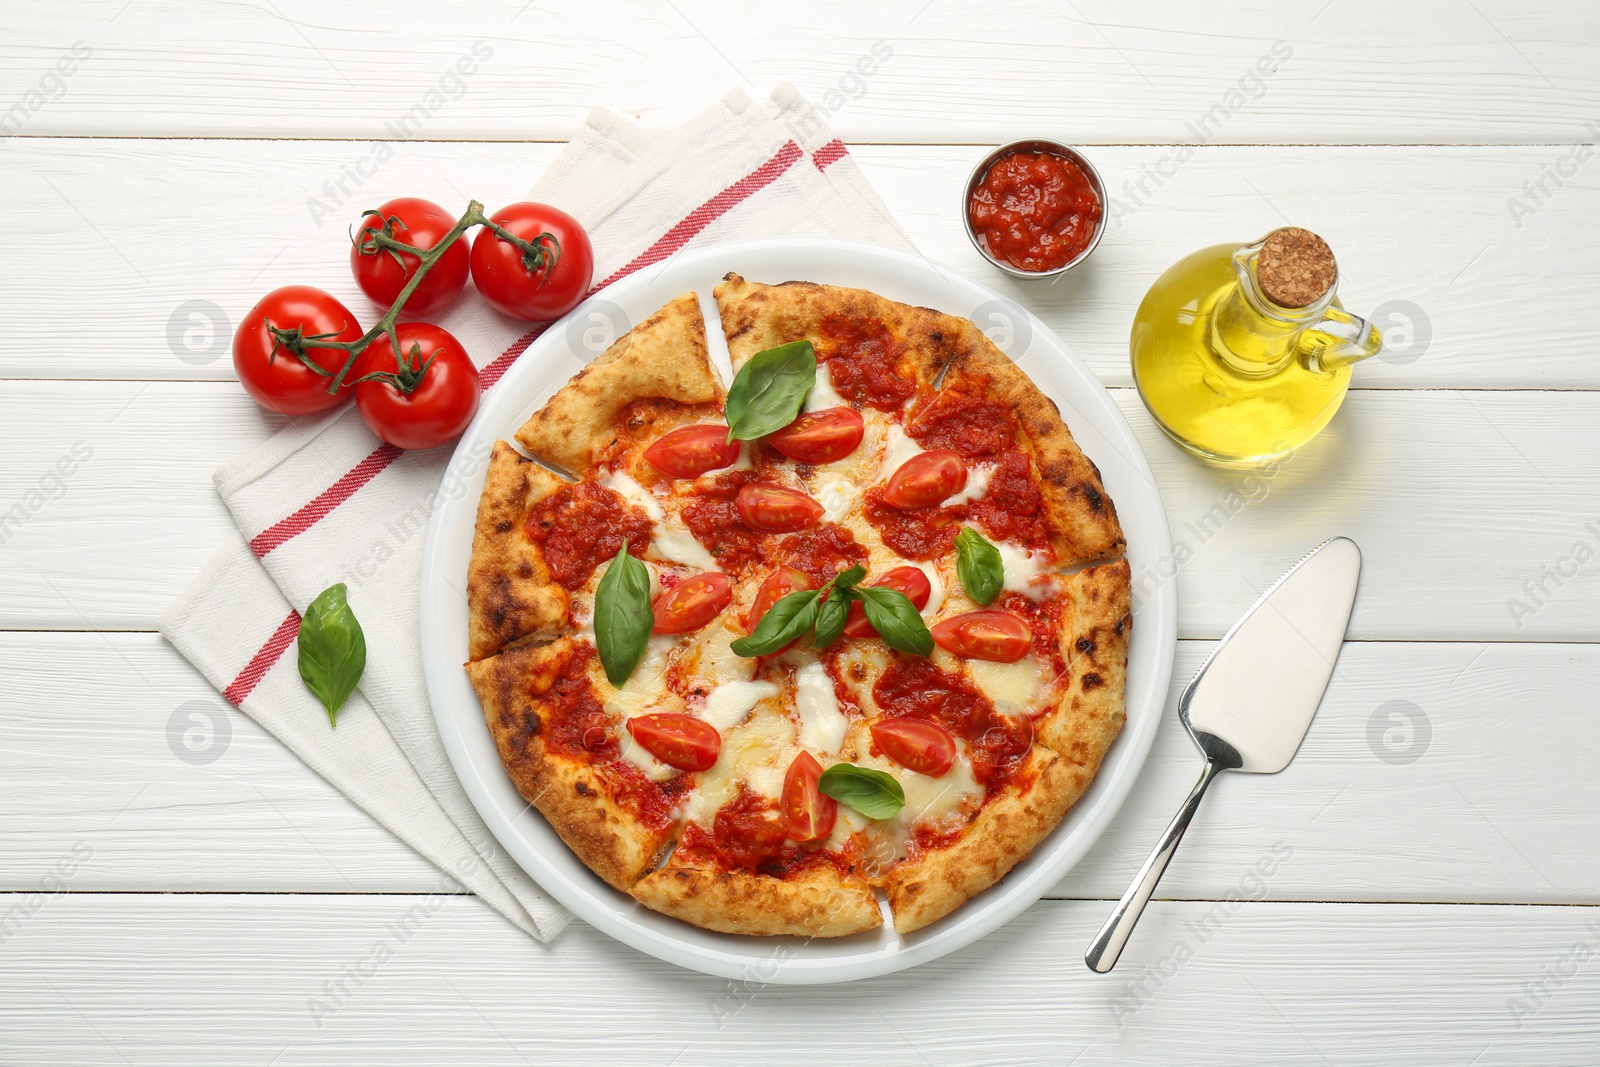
<point x="1434" y="873"/>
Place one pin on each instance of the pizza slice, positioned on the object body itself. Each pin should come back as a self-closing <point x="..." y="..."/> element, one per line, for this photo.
<point x="539" y="537"/>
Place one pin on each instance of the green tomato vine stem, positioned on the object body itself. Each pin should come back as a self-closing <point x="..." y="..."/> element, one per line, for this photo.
<point x="541" y="253"/>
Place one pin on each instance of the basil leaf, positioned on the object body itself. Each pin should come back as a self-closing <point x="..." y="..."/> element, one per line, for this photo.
<point x="847" y="579"/>
<point x="832" y="614"/>
<point x="622" y="616"/>
<point x="769" y="391"/>
<point x="979" y="566"/>
<point x="896" y="619"/>
<point x="785" y="621"/>
<point x="875" y="794"/>
<point x="333" y="650"/>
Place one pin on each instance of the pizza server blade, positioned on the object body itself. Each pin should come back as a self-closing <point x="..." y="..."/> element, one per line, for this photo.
<point x="1252" y="701"/>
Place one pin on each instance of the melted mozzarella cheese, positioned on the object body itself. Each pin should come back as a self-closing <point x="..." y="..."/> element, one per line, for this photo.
<point x="709" y="658"/>
<point x="838" y="496"/>
<point x="746" y="462"/>
<point x="936" y="592"/>
<point x="822" y="724"/>
<point x="897" y="448"/>
<point x="644" y="687"/>
<point x="1021" y="568"/>
<point x="640" y="757"/>
<point x="869" y="659"/>
<point x="928" y="799"/>
<point x="977" y="484"/>
<point x="761" y="742"/>
<point x="644" y="691"/>
<point x="1011" y="687"/>
<point x="730" y="704"/>
<point x="673" y="542"/>
<point x="621" y="483"/>
<point x="823" y="395"/>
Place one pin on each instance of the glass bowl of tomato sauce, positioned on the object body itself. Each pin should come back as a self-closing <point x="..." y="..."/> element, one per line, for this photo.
<point x="1034" y="208"/>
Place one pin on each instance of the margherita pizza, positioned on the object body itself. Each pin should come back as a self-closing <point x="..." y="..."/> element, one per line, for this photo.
<point x="757" y="653"/>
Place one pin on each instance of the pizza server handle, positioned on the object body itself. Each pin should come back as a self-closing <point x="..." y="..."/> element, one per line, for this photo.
<point x="1108" y="943"/>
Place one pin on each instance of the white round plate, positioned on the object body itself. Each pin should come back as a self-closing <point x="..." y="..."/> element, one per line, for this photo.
<point x="1100" y="430"/>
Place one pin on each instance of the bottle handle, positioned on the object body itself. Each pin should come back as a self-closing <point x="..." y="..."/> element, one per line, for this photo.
<point x="1338" y="340"/>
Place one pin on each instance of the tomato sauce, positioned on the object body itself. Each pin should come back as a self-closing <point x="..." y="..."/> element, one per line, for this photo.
<point x="966" y="420"/>
<point x="713" y="517"/>
<point x="922" y="533"/>
<point x="821" y="551"/>
<point x="576" y="722"/>
<point x="583" y="525"/>
<point x="1035" y="210"/>
<point x="1011" y="509"/>
<point x="863" y="360"/>
<point x="577" y="725"/>
<point x="1044" y="619"/>
<point x="914" y="686"/>
<point x="747" y="834"/>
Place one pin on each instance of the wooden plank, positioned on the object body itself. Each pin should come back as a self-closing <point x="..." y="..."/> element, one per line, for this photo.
<point x="163" y="245"/>
<point x="1467" y="505"/>
<point x="114" y="744"/>
<point x="1390" y="798"/>
<point x="292" y="980"/>
<point x="1094" y="72"/>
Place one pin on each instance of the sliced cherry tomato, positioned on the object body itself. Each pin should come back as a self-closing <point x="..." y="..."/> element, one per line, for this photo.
<point x="808" y="813"/>
<point x="542" y="285"/>
<point x="779" y="584"/>
<point x="690" y="451"/>
<point x="916" y="744"/>
<point x="274" y="376"/>
<point x="420" y="224"/>
<point x="692" y="603"/>
<point x="908" y="580"/>
<point x="773" y="508"/>
<point x="426" y="403"/>
<point x="678" y="740"/>
<point x="987" y="634"/>
<point x="925" y="479"/>
<point x="821" y="436"/>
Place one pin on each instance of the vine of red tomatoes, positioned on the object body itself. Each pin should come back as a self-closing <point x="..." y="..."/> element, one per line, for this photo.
<point x="300" y="351"/>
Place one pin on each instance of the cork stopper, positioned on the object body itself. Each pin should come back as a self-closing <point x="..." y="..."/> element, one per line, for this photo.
<point x="1295" y="267"/>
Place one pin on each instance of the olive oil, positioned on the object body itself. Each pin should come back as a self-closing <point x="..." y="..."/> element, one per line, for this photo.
<point x="1229" y="367"/>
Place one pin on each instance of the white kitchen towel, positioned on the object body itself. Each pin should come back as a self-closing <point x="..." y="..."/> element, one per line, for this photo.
<point x="325" y="501"/>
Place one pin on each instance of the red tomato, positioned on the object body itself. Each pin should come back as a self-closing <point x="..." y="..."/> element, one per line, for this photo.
<point x="692" y="603"/>
<point x="428" y="401"/>
<point x="542" y="285"/>
<point x="273" y="375"/>
<point x="916" y="744"/>
<point x="779" y="584"/>
<point x="987" y="634"/>
<point x="690" y="451"/>
<point x="908" y="580"/>
<point x="773" y="508"/>
<point x="808" y="813"/>
<point x="420" y="224"/>
<point x="678" y="740"/>
<point x="925" y="479"/>
<point x="821" y="436"/>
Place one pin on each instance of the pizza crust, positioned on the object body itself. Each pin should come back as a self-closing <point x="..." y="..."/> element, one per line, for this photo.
<point x="573" y="796"/>
<point x="1094" y="645"/>
<point x="662" y="362"/>
<point x="756" y="317"/>
<point x="819" y="902"/>
<point x="1006" y="829"/>
<point x="510" y="597"/>
<point x="1082" y="518"/>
